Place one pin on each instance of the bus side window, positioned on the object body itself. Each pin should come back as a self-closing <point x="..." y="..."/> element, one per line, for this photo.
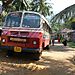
<point x="45" y="27"/>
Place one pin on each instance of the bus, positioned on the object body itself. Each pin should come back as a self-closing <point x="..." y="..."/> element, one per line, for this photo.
<point x="25" y="31"/>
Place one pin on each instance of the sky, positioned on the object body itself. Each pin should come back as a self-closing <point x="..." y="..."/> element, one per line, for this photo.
<point x="59" y="5"/>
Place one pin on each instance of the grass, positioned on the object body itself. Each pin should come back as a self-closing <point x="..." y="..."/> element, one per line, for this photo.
<point x="71" y="44"/>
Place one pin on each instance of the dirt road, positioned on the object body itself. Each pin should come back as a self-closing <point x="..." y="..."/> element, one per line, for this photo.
<point x="59" y="60"/>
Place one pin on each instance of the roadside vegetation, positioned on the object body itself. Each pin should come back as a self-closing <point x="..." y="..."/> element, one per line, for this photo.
<point x="71" y="44"/>
<point x="64" y="19"/>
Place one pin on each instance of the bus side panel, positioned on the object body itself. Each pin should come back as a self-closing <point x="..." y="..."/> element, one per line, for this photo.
<point x="46" y="39"/>
<point x="46" y="42"/>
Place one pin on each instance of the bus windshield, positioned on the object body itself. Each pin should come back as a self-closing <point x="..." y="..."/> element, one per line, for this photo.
<point x="13" y="20"/>
<point x="31" y="20"/>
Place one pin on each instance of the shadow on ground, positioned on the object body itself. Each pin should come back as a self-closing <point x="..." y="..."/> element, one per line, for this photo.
<point x="45" y="66"/>
<point x="60" y="47"/>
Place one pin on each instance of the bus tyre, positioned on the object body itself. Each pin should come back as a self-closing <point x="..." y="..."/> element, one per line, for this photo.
<point x="37" y="56"/>
<point x="47" y="47"/>
<point x="43" y="46"/>
<point x="9" y="53"/>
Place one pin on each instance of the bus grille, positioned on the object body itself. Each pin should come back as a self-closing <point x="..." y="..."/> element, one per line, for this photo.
<point x="16" y="33"/>
<point x="18" y="39"/>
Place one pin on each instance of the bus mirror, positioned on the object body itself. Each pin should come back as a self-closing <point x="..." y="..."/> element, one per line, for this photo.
<point x="0" y="32"/>
<point x="43" y="21"/>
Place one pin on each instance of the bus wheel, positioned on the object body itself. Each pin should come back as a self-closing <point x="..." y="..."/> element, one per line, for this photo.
<point x="43" y="46"/>
<point x="48" y="47"/>
<point x="36" y="56"/>
<point x="9" y="53"/>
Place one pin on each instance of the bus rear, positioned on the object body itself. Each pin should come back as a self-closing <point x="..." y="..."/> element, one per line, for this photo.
<point x="22" y="33"/>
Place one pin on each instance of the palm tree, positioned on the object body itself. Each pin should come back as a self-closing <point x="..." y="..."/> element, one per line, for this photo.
<point x="66" y="17"/>
<point x="18" y="4"/>
<point x="21" y="5"/>
<point x="13" y="5"/>
<point x="35" y="5"/>
<point x="41" y="6"/>
<point x="65" y="14"/>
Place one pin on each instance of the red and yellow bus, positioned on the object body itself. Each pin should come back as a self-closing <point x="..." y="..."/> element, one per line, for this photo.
<point x="25" y="31"/>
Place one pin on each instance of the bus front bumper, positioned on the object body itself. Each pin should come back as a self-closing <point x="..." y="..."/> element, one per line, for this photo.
<point x="22" y="49"/>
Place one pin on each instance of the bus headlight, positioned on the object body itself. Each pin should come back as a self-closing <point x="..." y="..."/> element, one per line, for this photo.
<point x="2" y="33"/>
<point x="34" y="42"/>
<point x="3" y="40"/>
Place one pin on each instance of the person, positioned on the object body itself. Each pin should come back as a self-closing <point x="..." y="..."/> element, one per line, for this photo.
<point x="65" y="42"/>
<point x="53" y="41"/>
<point x="58" y="40"/>
<point x="50" y="42"/>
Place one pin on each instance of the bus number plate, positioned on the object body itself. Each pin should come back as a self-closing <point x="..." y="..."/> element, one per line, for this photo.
<point x="17" y="49"/>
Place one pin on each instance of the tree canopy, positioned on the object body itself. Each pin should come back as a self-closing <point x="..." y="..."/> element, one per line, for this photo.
<point x="40" y="6"/>
<point x="65" y="18"/>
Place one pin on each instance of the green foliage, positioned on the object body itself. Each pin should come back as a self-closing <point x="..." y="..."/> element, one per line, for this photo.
<point x="41" y="6"/>
<point x="56" y="27"/>
<point x="71" y="44"/>
<point x="65" y="18"/>
<point x="15" y="5"/>
<point x="67" y="24"/>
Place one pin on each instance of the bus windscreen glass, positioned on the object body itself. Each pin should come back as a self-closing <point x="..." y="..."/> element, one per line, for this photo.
<point x="13" y="20"/>
<point x="31" y="20"/>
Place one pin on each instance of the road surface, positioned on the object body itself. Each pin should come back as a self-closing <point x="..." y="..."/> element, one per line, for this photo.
<point x="59" y="60"/>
